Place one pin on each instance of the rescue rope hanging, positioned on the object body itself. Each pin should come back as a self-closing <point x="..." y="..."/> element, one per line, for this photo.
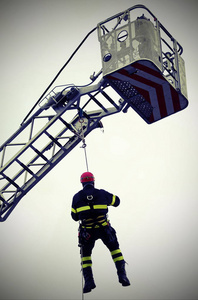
<point x="81" y="120"/>
<point x="81" y="255"/>
<point x="86" y="160"/>
<point x="84" y="144"/>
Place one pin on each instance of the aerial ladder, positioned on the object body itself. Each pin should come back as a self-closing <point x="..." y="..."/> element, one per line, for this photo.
<point x="142" y="69"/>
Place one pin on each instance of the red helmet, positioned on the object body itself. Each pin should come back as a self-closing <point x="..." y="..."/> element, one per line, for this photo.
<point x="87" y="177"/>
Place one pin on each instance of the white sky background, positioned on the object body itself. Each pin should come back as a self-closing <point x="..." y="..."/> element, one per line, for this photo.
<point x="152" y="168"/>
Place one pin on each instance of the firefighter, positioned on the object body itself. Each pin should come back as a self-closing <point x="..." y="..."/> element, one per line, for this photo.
<point x="90" y="207"/>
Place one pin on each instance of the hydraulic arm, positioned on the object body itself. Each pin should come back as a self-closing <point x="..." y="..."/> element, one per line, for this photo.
<point x="141" y="69"/>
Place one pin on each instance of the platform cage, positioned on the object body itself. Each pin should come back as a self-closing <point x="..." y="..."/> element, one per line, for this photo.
<point x="142" y="61"/>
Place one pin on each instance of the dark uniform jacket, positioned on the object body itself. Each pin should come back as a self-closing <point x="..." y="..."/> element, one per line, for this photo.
<point x="91" y="204"/>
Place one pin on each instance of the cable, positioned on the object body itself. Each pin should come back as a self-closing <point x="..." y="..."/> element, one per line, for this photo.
<point x="83" y="143"/>
<point x="86" y="159"/>
<point x="58" y="74"/>
<point x="81" y="254"/>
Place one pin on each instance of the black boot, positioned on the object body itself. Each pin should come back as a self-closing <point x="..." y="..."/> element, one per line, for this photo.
<point x="120" y="265"/>
<point x="89" y="281"/>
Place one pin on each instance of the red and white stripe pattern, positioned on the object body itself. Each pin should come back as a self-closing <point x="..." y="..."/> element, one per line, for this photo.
<point x="148" y="81"/>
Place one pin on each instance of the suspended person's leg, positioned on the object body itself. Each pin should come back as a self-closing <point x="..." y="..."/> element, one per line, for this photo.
<point x="86" y="246"/>
<point x="109" y="238"/>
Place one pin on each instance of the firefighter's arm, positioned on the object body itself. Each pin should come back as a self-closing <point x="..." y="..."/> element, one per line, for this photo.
<point x="74" y="213"/>
<point x="115" y="200"/>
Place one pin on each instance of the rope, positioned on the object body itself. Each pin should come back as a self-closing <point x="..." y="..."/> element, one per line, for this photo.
<point x="86" y="159"/>
<point x="84" y="144"/>
<point x="58" y="74"/>
<point x="82" y="288"/>
<point x="81" y="254"/>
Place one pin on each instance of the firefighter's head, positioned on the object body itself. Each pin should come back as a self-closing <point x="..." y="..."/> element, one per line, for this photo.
<point x="87" y="178"/>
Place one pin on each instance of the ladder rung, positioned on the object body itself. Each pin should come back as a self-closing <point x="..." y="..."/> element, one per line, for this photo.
<point x="25" y="167"/>
<point x="40" y="154"/>
<point x="12" y="182"/>
<point x="98" y="103"/>
<point x="54" y="140"/>
<point x="109" y="99"/>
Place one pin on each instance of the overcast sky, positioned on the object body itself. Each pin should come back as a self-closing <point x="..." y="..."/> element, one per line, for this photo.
<point x="152" y="168"/>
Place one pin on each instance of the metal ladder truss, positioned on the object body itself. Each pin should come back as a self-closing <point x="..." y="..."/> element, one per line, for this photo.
<point x="66" y="115"/>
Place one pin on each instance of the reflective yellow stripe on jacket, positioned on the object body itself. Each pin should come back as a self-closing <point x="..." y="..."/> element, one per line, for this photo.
<point x="100" y="206"/>
<point x="113" y="200"/>
<point x="84" y="208"/>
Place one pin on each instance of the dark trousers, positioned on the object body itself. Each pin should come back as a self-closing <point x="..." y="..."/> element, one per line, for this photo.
<point x="88" y="237"/>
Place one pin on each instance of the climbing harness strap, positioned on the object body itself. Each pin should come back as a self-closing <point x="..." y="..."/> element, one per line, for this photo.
<point x="98" y="222"/>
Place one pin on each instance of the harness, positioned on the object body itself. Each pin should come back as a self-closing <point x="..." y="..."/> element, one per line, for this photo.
<point x="92" y="223"/>
<point x="95" y="221"/>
